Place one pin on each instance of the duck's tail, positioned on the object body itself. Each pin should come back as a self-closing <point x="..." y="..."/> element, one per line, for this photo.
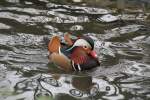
<point x="54" y="44"/>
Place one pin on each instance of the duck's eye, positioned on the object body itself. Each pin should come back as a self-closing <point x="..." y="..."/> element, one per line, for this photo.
<point x="85" y="47"/>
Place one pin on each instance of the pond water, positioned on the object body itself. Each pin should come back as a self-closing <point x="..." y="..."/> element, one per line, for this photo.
<point x="120" y="29"/>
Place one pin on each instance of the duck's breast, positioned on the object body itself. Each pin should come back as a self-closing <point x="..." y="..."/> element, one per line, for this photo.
<point x="90" y="63"/>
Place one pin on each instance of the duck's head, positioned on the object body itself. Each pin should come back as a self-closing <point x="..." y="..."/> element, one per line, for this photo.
<point x="85" y="43"/>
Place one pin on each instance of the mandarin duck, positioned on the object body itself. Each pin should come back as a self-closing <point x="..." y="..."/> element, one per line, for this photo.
<point x="76" y="55"/>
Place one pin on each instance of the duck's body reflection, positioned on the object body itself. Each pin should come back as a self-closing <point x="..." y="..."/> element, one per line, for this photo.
<point x="76" y="87"/>
<point x="69" y="87"/>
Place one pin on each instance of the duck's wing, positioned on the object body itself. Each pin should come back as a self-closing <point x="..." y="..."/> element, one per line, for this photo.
<point x="61" y="60"/>
<point x="54" y="44"/>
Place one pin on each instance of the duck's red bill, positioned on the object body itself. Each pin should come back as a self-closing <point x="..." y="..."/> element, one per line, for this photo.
<point x="93" y="54"/>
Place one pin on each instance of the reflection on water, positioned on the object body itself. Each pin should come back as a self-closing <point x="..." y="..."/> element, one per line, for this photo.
<point x="120" y="29"/>
<point x="71" y="87"/>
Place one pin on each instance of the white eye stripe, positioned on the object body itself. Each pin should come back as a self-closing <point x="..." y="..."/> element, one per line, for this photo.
<point x="82" y="42"/>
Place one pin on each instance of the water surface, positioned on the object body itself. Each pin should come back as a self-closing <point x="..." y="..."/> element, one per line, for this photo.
<point x="120" y="29"/>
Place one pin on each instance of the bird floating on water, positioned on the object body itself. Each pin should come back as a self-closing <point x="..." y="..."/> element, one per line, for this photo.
<point x="77" y="55"/>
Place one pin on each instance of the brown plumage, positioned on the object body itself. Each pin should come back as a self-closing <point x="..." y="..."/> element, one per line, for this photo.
<point x="57" y="58"/>
<point x="61" y="60"/>
<point x="54" y="44"/>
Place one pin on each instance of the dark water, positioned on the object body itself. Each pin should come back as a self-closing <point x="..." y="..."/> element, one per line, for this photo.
<point x="121" y="32"/>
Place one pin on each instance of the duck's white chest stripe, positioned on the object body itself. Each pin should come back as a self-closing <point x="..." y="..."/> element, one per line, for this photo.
<point x="73" y="65"/>
<point x="79" y="67"/>
<point x="76" y="67"/>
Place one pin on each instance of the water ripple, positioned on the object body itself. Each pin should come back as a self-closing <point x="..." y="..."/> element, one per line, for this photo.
<point x="120" y="30"/>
